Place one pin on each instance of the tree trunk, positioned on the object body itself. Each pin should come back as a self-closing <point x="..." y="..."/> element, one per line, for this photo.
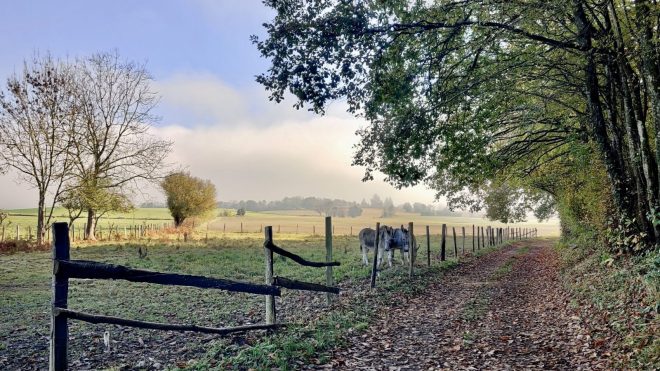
<point x="619" y="181"/>
<point x="90" y="232"/>
<point x="41" y="229"/>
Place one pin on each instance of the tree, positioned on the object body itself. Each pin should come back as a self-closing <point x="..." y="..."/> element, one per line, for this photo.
<point x="354" y="211"/>
<point x="376" y="201"/>
<point x="36" y="114"/>
<point x="188" y="196"/>
<point x="93" y="194"/>
<point x="388" y="208"/>
<point x="113" y="149"/>
<point x="240" y="212"/>
<point x="407" y="207"/>
<point x="459" y="94"/>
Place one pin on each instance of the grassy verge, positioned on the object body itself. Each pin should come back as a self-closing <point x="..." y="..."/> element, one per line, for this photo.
<point x="620" y="298"/>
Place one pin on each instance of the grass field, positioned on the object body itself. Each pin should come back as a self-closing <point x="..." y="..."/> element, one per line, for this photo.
<point x="288" y="223"/>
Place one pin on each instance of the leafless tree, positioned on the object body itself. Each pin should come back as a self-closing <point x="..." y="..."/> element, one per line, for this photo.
<point x="36" y="114"/>
<point x="113" y="149"/>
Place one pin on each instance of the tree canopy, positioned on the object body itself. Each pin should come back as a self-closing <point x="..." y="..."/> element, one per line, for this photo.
<point x="465" y="94"/>
<point x="188" y="196"/>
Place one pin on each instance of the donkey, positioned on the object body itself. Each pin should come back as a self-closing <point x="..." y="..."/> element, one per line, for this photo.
<point x="367" y="238"/>
<point x="400" y="241"/>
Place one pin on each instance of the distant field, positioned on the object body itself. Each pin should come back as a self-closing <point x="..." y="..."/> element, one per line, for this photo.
<point x="285" y="222"/>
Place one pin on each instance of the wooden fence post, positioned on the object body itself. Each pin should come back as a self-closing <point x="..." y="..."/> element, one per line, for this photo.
<point x="328" y="256"/>
<point x="478" y="238"/>
<point x="271" y="317"/>
<point x="412" y="251"/>
<point x="17" y="232"/>
<point x="453" y="231"/>
<point x="59" y="332"/>
<point x="2" y="239"/>
<point x="463" y="228"/>
<point x="473" y="245"/>
<point x="443" y="242"/>
<point x="428" y="246"/>
<point x="374" y="269"/>
<point x="483" y="238"/>
<point x="241" y="227"/>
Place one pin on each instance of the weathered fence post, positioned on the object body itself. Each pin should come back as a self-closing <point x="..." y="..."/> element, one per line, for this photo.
<point x="473" y="245"/>
<point x="328" y="256"/>
<point x="428" y="246"/>
<point x="241" y="227"/>
<point x="443" y="242"/>
<point x="271" y="317"/>
<point x="59" y="332"/>
<point x="453" y="231"/>
<point x="478" y="238"/>
<point x="313" y="230"/>
<point x="412" y="249"/>
<point x="17" y="232"/>
<point x="463" y="228"/>
<point x="374" y="269"/>
<point x="483" y="238"/>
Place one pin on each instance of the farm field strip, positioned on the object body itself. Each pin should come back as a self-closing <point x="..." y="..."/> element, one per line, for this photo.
<point x="288" y="222"/>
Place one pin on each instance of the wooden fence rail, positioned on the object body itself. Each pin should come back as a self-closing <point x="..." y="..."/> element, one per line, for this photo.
<point x="64" y="268"/>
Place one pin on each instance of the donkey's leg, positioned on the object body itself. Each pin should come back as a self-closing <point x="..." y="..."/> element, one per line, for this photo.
<point x="390" y="256"/>
<point x="365" y="260"/>
<point x="381" y="251"/>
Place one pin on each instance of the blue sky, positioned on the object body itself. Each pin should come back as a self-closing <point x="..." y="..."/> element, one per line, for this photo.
<point x="172" y="36"/>
<point x="203" y="65"/>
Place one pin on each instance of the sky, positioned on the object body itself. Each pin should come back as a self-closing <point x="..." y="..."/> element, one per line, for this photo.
<point x="222" y="124"/>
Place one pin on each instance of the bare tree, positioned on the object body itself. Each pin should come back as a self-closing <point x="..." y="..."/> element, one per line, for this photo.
<point x="36" y="115"/>
<point x="113" y="148"/>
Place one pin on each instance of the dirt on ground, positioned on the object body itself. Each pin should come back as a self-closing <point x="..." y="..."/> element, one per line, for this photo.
<point x="503" y="311"/>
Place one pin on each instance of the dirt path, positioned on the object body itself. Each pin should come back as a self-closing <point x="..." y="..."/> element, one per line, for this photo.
<point x="505" y="310"/>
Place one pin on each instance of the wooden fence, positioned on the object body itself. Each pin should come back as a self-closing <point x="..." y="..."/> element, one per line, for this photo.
<point x="64" y="268"/>
<point x="166" y="231"/>
<point x="484" y="238"/>
<point x="271" y="279"/>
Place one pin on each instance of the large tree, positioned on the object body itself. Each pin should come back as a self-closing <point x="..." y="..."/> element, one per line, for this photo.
<point x="37" y="110"/>
<point x="464" y="93"/>
<point x="188" y="196"/>
<point x="114" y="149"/>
